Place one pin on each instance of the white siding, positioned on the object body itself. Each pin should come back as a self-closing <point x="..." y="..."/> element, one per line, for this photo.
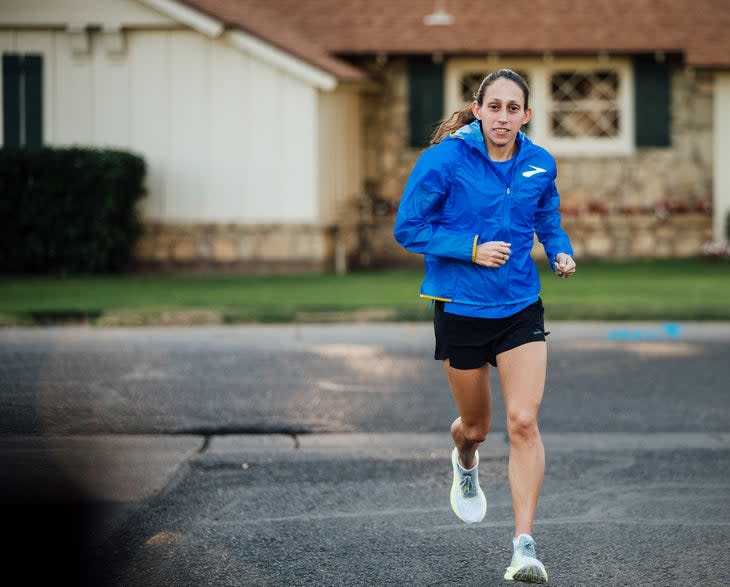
<point x="188" y="112"/>
<point x="341" y="152"/>
<point x="85" y="12"/>
<point x="227" y="128"/>
<point x="227" y="138"/>
<point x="72" y="97"/>
<point x="111" y="91"/>
<point x="296" y="131"/>
<point x="149" y="121"/>
<point x="265" y="128"/>
<point x="721" y="198"/>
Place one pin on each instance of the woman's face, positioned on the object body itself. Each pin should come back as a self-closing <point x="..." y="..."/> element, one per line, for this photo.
<point x="502" y="112"/>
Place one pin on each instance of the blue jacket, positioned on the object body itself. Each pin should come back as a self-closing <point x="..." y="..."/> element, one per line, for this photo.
<point x="456" y="199"/>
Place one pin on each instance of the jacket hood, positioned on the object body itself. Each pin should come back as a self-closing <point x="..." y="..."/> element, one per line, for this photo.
<point x="472" y="135"/>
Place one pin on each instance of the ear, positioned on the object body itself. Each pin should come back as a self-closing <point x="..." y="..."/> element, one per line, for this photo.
<point x="528" y="115"/>
<point x="475" y="110"/>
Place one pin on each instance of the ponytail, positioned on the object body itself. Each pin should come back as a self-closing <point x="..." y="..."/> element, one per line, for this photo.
<point x="452" y="123"/>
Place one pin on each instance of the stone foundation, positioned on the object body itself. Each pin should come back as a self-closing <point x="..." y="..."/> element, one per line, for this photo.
<point x="639" y="236"/>
<point x="611" y="236"/>
<point x="235" y="247"/>
<point x="240" y="248"/>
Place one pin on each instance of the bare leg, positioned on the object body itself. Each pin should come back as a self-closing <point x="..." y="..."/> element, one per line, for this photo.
<point x="522" y="373"/>
<point x="473" y="398"/>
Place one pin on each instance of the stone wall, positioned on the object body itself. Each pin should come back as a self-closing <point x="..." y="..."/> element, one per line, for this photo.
<point x="234" y="247"/>
<point x="640" y="236"/>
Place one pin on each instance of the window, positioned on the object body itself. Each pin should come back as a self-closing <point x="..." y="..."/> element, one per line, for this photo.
<point x="584" y="104"/>
<point x="22" y="100"/>
<point x="469" y="84"/>
<point x="580" y="106"/>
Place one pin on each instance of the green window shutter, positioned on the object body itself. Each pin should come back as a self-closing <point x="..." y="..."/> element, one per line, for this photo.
<point x="33" y="69"/>
<point x="426" y="100"/>
<point x="22" y="100"/>
<point x="652" y="102"/>
<point x="11" y="100"/>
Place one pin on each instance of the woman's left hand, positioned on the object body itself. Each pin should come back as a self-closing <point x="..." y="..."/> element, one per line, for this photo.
<point x="564" y="265"/>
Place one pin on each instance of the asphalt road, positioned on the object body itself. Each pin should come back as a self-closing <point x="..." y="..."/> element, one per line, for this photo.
<point x="318" y="455"/>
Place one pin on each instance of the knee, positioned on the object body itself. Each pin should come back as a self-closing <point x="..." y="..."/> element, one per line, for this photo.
<point x="475" y="430"/>
<point x="522" y="425"/>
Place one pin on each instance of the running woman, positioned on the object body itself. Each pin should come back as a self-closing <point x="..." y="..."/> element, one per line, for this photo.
<point x="472" y="206"/>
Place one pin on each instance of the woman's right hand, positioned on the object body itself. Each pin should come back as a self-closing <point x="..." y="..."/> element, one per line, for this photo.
<point x="492" y="254"/>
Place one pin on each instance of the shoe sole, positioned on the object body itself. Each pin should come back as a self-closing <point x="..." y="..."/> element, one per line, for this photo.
<point x="455" y="491"/>
<point x="528" y="574"/>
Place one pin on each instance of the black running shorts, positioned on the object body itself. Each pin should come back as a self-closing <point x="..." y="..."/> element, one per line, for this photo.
<point x="469" y="343"/>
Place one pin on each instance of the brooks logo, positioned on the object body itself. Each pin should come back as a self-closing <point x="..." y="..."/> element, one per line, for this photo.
<point x="533" y="171"/>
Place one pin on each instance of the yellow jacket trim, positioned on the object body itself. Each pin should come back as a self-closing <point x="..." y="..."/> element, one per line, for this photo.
<point x="474" y="249"/>
<point x="438" y="299"/>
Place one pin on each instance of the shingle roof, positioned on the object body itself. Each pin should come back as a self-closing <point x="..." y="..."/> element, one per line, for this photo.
<point x="697" y="29"/>
<point x="267" y="24"/>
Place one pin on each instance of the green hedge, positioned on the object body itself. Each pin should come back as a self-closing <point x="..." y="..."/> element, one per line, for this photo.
<point x="68" y="211"/>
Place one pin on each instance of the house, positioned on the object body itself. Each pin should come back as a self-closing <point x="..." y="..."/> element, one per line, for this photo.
<point x="280" y="133"/>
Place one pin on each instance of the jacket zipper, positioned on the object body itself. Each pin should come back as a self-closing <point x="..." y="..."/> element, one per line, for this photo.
<point x="506" y="215"/>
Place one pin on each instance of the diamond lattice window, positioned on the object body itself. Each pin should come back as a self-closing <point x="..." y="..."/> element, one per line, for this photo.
<point x="584" y="104"/>
<point x="469" y="85"/>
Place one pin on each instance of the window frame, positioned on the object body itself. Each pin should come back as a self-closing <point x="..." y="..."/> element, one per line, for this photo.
<point x="539" y="71"/>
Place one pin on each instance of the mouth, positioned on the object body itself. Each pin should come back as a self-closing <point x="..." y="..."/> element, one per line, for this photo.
<point x="500" y="131"/>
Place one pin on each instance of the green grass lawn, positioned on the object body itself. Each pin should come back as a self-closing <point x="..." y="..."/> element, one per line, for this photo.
<point x="666" y="290"/>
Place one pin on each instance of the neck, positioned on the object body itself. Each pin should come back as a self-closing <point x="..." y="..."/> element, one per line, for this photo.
<point x="501" y="153"/>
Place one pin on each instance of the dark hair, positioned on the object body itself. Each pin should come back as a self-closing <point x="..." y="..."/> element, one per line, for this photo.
<point x="465" y="116"/>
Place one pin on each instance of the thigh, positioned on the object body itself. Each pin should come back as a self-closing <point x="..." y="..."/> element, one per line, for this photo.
<point x="522" y="373"/>
<point x="470" y="388"/>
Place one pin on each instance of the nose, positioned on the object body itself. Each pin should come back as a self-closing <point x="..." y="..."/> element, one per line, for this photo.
<point x="503" y="115"/>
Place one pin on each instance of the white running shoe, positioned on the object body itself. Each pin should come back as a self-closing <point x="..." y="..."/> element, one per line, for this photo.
<point x="467" y="498"/>
<point x="525" y="566"/>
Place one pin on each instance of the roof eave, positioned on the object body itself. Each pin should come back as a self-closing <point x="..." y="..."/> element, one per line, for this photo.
<point x="195" y="19"/>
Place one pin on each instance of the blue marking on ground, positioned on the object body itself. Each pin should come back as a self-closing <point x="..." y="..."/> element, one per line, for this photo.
<point x="667" y="331"/>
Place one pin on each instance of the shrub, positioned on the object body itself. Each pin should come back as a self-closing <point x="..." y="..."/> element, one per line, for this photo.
<point x="68" y="210"/>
